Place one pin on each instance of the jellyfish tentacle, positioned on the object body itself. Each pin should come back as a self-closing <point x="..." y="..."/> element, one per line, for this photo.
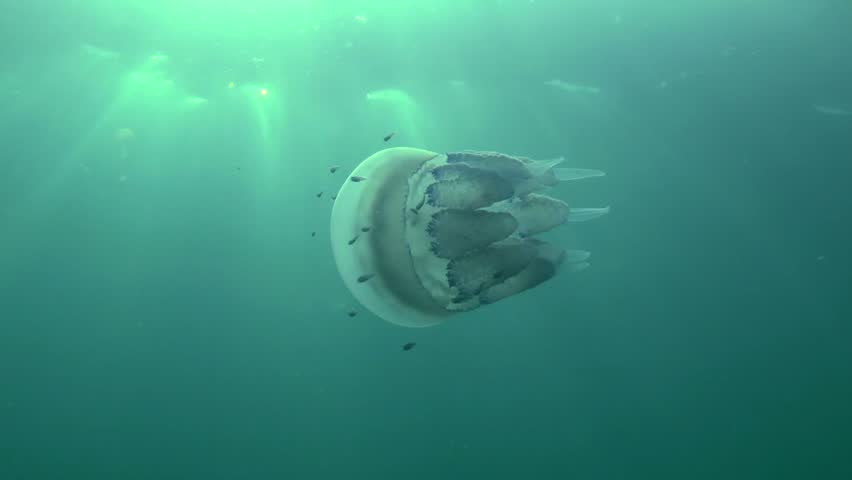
<point x="507" y="166"/>
<point x="541" y="269"/>
<point x="586" y="214"/>
<point x="477" y="271"/>
<point x="578" y="267"/>
<point x="461" y="186"/>
<point x="536" y="213"/>
<point x="538" y="168"/>
<point x="457" y="232"/>
<point x="577" y="256"/>
<point x="569" y="174"/>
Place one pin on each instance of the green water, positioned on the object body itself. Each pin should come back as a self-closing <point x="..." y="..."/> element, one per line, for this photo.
<point x="166" y="313"/>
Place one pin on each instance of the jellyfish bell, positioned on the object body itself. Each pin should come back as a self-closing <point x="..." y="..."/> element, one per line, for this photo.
<point x="420" y="236"/>
<point x="123" y="136"/>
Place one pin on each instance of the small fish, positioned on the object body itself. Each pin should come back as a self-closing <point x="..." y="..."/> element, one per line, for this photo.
<point x="354" y="239"/>
<point x="420" y="205"/>
<point x="333" y="169"/>
<point x="352" y="313"/>
<point x="408" y="346"/>
<point x="365" y="277"/>
<point x="389" y="136"/>
<point x="365" y="229"/>
<point x="356" y="178"/>
<point x="319" y="194"/>
<point x="333" y="198"/>
<point x="313" y="234"/>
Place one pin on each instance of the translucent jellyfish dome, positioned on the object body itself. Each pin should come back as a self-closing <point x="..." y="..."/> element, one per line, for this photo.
<point x="420" y="236"/>
<point x="123" y="136"/>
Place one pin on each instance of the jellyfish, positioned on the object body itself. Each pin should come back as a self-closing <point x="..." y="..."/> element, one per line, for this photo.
<point x="573" y="88"/>
<point x="423" y="236"/>
<point x="390" y="95"/>
<point x="123" y="136"/>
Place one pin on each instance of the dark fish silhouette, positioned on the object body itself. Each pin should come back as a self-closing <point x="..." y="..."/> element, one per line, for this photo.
<point x="313" y="234"/>
<point x="333" y="169"/>
<point x="365" y="277"/>
<point x="352" y="313"/>
<point x="389" y="136"/>
<point x="365" y="229"/>
<point x="354" y="239"/>
<point x="319" y="194"/>
<point x="357" y="179"/>
<point x="408" y="346"/>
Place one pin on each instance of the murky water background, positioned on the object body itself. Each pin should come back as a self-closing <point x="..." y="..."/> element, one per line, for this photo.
<point x="165" y="311"/>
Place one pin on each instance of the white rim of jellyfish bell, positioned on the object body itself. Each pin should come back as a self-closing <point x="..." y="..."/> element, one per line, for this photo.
<point x="376" y="264"/>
